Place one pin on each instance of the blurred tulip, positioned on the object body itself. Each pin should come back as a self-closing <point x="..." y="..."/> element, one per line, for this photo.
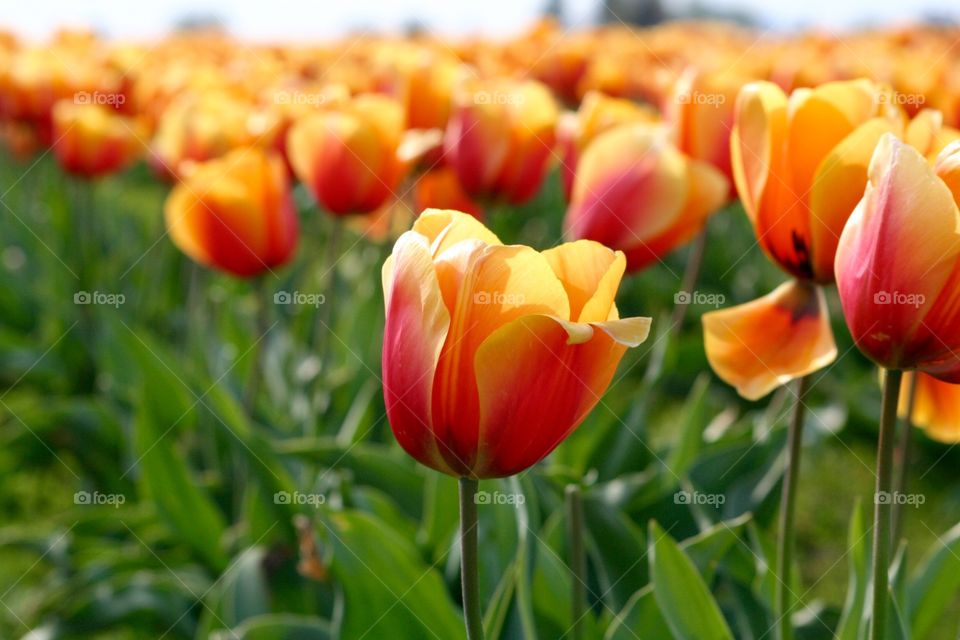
<point x="898" y="262"/>
<point x="234" y="213"/>
<point x="440" y="189"/>
<point x="936" y="406"/>
<point x="701" y="112"/>
<point x="636" y="193"/>
<point x="597" y="113"/>
<point x="92" y="140"/>
<point x="353" y="159"/>
<point x="500" y="138"/>
<point x="493" y="354"/>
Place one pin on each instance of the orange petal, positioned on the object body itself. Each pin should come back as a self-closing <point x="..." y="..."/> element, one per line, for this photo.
<point x="936" y="406"/>
<point x="590" y="274"/>
<point x="760" y="345"/>
<point x="538" y="378"/>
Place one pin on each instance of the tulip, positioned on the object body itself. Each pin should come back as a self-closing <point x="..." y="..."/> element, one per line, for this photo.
<point x="637" y="193"/>
<point x="898" y="262"/>
<point x="936" y="406"/>
<point x="93" y="140"/>
<point x="701" y="111"/>
<point x="235" y="213"/>
<point x="500" y="139"/>
<point x="494" y="354"/>
<point x="440" y="189"/>
<point x="353" y="159"/>
<point x="597" y="113"/>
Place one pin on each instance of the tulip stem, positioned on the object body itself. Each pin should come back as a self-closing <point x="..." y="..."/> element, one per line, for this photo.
<point x="469" y="576"/>
<point x="262" y="327"/>
<point x="690" y="276"/>
<point x="903" y="459"/>
<point x="788" y="498"/>
<point x="578" y="559"/>
<point x="882" y="500"/>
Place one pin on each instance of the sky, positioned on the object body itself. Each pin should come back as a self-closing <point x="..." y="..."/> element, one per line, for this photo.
<point x="305" y="19"/>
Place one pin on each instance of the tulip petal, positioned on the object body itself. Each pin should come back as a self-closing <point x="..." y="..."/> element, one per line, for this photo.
<point x="590" y="274"/>
<point x="758" y="346"/>
<point x="538" y="377"/>
<point x="837" y="188"/>
<point x="444" y="228"/>
<point x="416" y="328"/>
<point x="936" y="407"/>
<point x="895" y="257"/>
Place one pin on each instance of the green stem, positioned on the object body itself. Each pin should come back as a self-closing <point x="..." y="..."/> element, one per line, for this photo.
<point x="882" y="500"/>
<point x="578" y="559"/>
<point x="690" y="276"/>
<point x="788" y="497"/>
<point x="262" y="327"/>
<point x="903" y="459"/>
<point x="469" y="575"/>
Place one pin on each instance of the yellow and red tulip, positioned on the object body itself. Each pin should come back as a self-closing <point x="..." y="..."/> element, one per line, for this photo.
<point x="493" y="354"/>
<point x="235" y="213"/>
<point x="352" y="159"/>
<point x="635" y="192"/>
<point x="500" y="138"/>
<point x="93" y="140"/>
<point x="898" y="262"/>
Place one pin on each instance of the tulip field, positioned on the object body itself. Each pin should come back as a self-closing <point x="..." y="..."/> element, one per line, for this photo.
<point x="608" y="333"/>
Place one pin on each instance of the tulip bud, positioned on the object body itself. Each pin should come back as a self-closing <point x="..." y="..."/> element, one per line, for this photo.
<point x="235" y="213"/>
<point x="494" y="354"/>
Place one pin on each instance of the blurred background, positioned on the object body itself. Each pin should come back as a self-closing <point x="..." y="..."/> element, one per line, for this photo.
<point x="302" y="19"/>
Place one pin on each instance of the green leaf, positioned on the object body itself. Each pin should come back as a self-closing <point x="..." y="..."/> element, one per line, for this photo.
<point x="683" y="597"/>
<point x="282" y="626"/>
<point x="640" y="619"/>
<point x="388" y="591"/>
<point x="935" y="585"/>
<point x="858" y="555"/>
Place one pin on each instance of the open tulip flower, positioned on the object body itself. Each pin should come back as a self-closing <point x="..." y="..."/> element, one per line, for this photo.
<point x="353" y="158"/>
<point x="635" y="192"/>
<point x="93" y="140"/>
<point x="493" y="354"/>
<point x="235" y="213"/>
<point x="898" y="262"/>
<point x="500" y="138"/>
<point x="800" y="166"/>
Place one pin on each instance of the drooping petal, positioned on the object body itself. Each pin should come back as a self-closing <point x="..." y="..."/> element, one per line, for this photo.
<point x="538" y="378"/>
<point x="896" y="254"/>
<point x="417" y="323"/>
<point x="758" y="346"/>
